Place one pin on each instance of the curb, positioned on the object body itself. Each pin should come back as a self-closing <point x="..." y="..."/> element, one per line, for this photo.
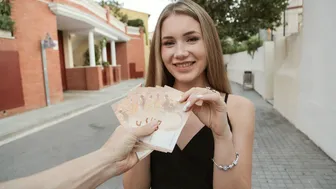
<point x="10" y="137"/>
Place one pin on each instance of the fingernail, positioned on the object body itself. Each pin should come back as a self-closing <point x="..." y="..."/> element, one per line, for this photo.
<point x="199" y="96"/>
<point x="179" y="99"/>
<point x="186" y="106"/>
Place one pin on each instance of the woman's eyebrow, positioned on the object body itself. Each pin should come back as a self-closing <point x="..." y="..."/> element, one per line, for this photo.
<point x="185" y="34"/>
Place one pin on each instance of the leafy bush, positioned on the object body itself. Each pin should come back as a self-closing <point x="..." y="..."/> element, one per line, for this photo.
<point x="253" y="44"/>
<point x="6" y="22"/>
<point x="87" y="56"/>
<point x="5" y="8"/>
<point x="136" y="23"/>
<point x="107" y="63"/>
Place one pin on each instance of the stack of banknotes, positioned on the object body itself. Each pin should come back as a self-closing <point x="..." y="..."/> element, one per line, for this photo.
<point x="142" y="105"/>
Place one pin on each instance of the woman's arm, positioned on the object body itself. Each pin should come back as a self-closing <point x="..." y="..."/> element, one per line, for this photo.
<point x="242" y="114"/>
<point x="73" y="174"/>
<point x="139" y="176"/>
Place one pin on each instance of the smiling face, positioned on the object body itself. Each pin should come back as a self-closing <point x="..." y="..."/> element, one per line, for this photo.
<point x="182" y="48"/>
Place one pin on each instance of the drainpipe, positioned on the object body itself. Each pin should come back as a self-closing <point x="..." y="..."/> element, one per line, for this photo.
<point x="284" y="23"/>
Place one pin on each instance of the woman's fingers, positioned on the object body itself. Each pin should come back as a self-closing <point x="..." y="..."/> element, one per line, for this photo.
<point x="198" y="95"/>
<point x="186" y="95"/>
<point x="192" y="100"/>
<point x="214" y="97"/>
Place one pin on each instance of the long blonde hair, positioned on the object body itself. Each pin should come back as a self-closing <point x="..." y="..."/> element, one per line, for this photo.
<point x="157" y="73"/>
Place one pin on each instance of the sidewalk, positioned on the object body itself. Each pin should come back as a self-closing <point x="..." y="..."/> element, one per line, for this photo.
<point x="284" y="157"/>
<point x="75" y="103"/>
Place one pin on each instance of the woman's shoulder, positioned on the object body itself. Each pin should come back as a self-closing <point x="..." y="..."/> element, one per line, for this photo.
<point x="240" y="107"/>
<point x="239" y="102"/>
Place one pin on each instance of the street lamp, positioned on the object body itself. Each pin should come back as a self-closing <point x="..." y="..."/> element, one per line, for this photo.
<point x="45" y="44"/>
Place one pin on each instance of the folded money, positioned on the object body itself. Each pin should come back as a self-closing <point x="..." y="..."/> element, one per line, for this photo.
<point x="144" y="104"/>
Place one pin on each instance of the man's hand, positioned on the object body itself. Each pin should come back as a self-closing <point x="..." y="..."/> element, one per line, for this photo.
<point x="120" y="146"/>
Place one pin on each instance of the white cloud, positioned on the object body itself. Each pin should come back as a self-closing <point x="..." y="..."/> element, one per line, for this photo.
<point x="152" y="7"/>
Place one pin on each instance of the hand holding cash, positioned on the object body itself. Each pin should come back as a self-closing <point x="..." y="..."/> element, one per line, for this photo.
<point x="145" y="104"/>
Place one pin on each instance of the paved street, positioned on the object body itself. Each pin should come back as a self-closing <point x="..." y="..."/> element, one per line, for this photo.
<point x="52" y="146"/>
<point x="283" y="156"/>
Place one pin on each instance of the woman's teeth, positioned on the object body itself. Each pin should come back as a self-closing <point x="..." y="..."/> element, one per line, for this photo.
<point x="184" y="64"/>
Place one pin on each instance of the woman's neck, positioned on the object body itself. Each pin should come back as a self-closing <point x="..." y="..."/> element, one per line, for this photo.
<point x="185" y="86"/>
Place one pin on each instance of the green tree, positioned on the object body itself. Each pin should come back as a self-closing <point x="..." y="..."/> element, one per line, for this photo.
<point x="242" y="19"/>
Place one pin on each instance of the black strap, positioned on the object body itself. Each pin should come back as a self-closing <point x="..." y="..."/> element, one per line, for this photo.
<point x="225" y="100"/>
<point x="226" y="97"/>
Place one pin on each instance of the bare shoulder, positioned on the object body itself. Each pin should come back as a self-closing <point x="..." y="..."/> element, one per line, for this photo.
<point x="241" y="111"/>
<point x="239" y="103"/>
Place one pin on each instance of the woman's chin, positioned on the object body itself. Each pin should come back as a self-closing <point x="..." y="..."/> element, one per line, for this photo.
<point x="185" y="78"/>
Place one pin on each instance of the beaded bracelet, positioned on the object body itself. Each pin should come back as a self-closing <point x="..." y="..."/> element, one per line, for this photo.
<point x="227" y="167"/>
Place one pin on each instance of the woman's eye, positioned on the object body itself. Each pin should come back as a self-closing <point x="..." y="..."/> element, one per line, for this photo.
<point x="193" y="39"/>
<point x="168" y="43"/>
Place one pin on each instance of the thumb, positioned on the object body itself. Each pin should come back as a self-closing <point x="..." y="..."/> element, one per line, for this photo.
<point x="146" y="129"/>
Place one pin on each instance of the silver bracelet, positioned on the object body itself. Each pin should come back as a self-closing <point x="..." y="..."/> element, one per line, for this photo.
<point x="227" y="167"/>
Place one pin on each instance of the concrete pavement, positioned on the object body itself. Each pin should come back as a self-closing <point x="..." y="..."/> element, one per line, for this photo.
<point x="62" y="142"/>
<point x="75" y="103"/>
<point x="283" y="156"/>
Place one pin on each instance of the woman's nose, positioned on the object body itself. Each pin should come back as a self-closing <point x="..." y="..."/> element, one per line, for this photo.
<point x="181" y="52"/>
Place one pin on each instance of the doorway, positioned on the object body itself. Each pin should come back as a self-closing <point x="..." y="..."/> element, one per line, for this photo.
<point x="62" y="62"/>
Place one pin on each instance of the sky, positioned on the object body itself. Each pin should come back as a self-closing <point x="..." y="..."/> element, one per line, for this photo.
<point x="152" y="7"/>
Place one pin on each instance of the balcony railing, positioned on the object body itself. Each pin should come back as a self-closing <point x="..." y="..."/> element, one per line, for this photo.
<point x="133" y="30"/>
<point x="94" y="7"/>
<point x="118" y="24"/>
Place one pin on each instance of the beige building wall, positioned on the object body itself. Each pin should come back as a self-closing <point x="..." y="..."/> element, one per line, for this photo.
<point x="80" y="44"/>
<point x="144" y="16"/>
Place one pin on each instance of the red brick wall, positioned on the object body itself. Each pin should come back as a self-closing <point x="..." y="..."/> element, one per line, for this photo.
<point x="122" y="59"/>
<point x="116" y="73"/>
<point x="10" y="81"/>
<point x="76" y="78"/>
<point x="86" y="78"/>
<point x="8" y="45"/>
<point x="30" y="27"/>
<point x="109" y="75"/>
<point x="131" y="52"/>
<point x="136" y="52"/>
<point x="94" y="80"/>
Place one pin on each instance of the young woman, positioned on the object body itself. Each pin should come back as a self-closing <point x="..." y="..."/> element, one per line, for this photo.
<point x="186" y="54"/>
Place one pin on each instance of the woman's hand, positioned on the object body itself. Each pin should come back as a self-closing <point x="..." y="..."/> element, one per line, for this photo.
<point x="121" y="145"/>
<point x="212" y="112"/>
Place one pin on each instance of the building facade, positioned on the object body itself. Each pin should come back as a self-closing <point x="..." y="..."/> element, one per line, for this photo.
<point x="60" y="45"/>
<point x="132" y="14"/>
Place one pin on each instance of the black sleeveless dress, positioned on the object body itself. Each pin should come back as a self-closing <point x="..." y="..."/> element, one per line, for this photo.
<point x="190" y="168"/>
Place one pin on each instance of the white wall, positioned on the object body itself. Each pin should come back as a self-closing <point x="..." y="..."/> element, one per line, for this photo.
<point x="292" y="18"/>
<point x="286" y="81"/>
<point x="237" y="64"/>
<point x="261" y="65"/>
<point x="317" y="92"/>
